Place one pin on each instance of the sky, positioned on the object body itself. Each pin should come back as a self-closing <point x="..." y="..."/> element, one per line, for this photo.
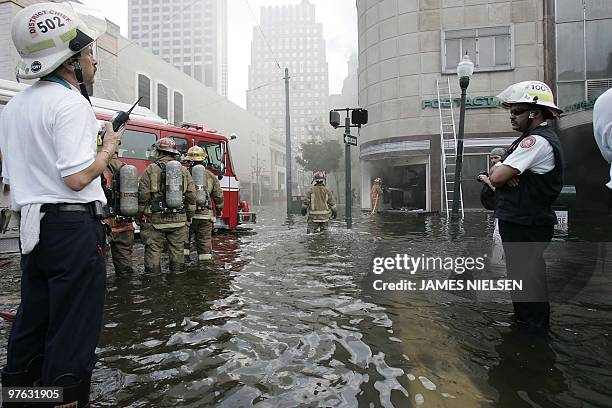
<point x="339" y="19"/>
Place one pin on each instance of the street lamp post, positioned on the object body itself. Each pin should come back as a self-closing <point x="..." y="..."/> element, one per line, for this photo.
<point x="465" y="69"/>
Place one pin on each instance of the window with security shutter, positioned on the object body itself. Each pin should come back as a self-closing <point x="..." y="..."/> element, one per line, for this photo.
<point x="178" y="108"/>
<point x="489" y="48"/>
<point x="144" y="90"/>
<point x="162" y="101"/>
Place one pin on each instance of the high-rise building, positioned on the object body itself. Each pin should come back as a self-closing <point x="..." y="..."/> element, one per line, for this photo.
<point x="289" y="37"/>
<point x="191" y="35"/>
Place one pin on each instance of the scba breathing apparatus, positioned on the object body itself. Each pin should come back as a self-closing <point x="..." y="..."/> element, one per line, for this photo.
<point x="122" y="197"/>
<point x="171" y="201"/>
<point x="196" y="154"/>
<point x="49" y="34"/>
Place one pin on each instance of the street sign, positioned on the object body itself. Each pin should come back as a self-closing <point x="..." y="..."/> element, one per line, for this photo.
<point x="348" y="139"/>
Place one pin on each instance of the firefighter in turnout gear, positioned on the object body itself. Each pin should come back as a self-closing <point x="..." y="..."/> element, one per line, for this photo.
<point x="376" y="195"/>
<point x="166" y="205"/>
<point x="121" y="225"/>
<point x="208" y="190"/>
<point x="319" y="203"/>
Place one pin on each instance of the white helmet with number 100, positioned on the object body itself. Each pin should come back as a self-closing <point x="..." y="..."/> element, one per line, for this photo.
<point x="532" y="92"/>
<point x="47" y="34"/>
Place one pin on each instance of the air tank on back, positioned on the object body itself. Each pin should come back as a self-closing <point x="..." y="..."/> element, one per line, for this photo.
<point x="128" y="190"/>
<point x="174" y="184"/>
<point x="198" y="172"/>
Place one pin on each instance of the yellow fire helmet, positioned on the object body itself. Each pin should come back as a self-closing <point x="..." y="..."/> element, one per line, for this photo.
<point x="100" y="127"/>
<point x="196" y="154"/>
<point x="532" y="92"/>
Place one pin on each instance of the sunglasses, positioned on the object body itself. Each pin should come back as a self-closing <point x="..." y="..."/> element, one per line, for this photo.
<point x="518" y="111"/>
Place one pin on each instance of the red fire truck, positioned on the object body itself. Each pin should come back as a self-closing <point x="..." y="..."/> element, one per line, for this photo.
<point x="143" y="129"/>
<point x="142" y="132"/>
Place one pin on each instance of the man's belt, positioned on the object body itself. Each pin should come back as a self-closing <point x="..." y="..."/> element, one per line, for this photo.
<point x="66" y="207"/>
<point x="94" y="208"/>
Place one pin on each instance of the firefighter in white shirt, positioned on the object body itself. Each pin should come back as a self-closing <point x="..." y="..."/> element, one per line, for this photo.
<point x="527" y="183"/>
<point x="48" y="138"/>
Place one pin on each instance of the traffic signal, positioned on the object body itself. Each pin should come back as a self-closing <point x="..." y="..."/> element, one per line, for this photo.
<point x="334" y="118"/>
<point x="359" y="116"/>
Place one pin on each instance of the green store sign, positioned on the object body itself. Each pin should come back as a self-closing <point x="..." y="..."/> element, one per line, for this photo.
<point x="579" y="106"/>
<point x="487" y="102"/>
<point x="477" y="102"/>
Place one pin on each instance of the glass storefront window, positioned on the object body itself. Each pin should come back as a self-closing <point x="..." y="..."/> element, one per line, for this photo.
<point x="570" y="93"/>
<point x="599" y="49"/>
<point x="570" y="51"/>
<point x="597" y="9"/>
<point x="569" y="10"/>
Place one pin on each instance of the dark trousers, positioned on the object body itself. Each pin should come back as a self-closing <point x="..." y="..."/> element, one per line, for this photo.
<point x="63" y="286"/>
<point x="524" y="247"/>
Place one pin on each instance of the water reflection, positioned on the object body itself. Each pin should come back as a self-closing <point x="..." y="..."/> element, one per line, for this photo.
<point x="526" y="374"/>
<point x="285" y="319"/>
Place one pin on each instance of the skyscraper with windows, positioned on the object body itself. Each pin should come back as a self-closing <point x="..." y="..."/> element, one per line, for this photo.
<point x="289" y="37"/>
<point x="191" y="35"/>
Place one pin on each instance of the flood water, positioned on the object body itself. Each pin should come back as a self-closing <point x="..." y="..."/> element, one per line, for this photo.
<point x="285" y="319"/>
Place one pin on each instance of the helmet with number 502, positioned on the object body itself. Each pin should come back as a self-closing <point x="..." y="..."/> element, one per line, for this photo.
<point x="47" y="34"/>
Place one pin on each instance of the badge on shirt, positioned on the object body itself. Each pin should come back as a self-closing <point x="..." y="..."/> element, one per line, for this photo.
<point x="528" y="142"/>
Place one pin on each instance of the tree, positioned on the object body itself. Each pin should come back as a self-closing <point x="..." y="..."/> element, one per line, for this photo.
<point x="323" y="155"/>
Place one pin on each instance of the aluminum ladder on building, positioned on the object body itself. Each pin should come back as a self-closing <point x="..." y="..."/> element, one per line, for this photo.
<point x="448" y="144"/>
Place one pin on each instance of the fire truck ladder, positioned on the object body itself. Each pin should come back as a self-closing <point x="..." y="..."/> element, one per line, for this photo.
<point x="448" y="143"/>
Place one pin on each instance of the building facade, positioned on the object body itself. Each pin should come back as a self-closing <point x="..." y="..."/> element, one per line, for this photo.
<point x="289" y="37"/>
<point x="581" y="67"/>
<point x="408" y="52"/>
<point x="127" y="72"/>
<point x="191" y="35"/>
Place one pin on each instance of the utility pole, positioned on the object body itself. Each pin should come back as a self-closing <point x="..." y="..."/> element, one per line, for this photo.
<point x="287" y="143"/>
<point x="258" y="181"/>
<point x="347" y="175"/>
<point x="358" y="117"/>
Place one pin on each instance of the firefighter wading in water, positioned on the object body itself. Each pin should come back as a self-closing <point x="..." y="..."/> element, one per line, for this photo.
<point x="208" y="189"/>
<point x="319" y="203"/>
<point x="166" y="205"/>
<point x="120" y="185"/>
<point x="376" y="195"/>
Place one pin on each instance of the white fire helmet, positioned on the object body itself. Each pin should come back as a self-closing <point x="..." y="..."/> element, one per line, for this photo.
<point x="47" y="34"/>
<point x="532" y="92"/>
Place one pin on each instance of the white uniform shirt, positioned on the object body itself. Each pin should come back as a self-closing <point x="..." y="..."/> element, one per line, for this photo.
<point x="602" y="127"/>
<point x="533" y="153"/>
<point x="47" y="132"/>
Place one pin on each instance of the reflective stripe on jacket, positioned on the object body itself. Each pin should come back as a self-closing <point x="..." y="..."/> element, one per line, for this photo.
<point x="150" y="188"/>
<point x="319" y="201"/>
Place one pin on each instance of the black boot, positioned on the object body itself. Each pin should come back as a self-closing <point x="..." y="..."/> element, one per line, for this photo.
<point x="75" y="395"/>
<point x="25" y="378"/>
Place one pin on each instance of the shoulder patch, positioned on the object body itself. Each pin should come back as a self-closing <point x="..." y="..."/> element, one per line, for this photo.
<point x="528" y="142"/>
